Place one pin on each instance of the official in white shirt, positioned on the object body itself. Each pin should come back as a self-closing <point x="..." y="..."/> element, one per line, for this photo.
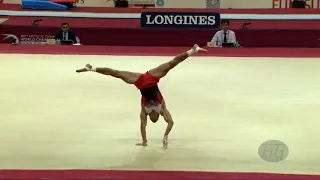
<point x="225" y="35"/>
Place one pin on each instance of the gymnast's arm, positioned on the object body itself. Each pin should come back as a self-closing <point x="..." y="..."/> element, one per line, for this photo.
<point x="143" y="125"/>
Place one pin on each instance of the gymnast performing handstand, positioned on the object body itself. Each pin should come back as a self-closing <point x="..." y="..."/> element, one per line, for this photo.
<point x="152" y="102"/>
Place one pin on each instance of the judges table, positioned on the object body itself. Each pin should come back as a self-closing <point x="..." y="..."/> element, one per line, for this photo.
<point x="167" y="37"/>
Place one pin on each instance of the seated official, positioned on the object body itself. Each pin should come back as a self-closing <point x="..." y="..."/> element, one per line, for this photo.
<point x="224" y="37"/>
<point x="65" y="35"/>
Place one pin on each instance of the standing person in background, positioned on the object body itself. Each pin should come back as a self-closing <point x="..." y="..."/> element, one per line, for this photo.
<point x="225" y="35"/>
<point x="65" y="34"/>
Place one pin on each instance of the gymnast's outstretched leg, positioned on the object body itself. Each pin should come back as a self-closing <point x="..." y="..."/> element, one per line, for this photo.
<point x="126" y="76"/>
<point x="163" y="69"/>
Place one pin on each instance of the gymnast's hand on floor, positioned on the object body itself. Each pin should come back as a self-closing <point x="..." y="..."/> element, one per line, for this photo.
<point x="88" y="67"/>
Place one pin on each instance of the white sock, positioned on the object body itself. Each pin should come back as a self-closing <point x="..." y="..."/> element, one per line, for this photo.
<point x="92" y="69"/>
<point x="192" y="51"/>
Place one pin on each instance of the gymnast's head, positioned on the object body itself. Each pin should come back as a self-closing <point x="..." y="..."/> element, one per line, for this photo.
<point x="154" y="116"/>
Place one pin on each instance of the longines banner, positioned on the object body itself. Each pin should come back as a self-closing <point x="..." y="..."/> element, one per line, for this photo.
<point x="180" y="20"/>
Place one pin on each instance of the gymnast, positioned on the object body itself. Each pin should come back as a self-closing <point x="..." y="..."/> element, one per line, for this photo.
<point x="152" y="101"/>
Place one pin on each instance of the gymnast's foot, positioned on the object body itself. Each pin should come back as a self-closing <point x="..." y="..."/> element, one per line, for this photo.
<point x="142" y="144"/>
<point x="198" y="49"/>
<point x="88" y="67"/>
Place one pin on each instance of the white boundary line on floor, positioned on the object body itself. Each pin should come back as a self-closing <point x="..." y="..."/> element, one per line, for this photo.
<point x="138" y="15"/>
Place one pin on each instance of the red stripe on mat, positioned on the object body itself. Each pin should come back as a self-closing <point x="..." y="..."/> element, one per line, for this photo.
<point x="140" y="175"/>
<point x="159" y="51"/>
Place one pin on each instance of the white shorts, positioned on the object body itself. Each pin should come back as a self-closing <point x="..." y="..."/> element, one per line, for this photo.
<point x="157" y="108"/>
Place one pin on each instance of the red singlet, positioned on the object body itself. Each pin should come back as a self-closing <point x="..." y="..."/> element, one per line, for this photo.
<point x="145" y="82"/>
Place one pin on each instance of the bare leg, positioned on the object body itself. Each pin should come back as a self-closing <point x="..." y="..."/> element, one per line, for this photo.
<point x="126" y="76"/>
<point x="163" y="69"/>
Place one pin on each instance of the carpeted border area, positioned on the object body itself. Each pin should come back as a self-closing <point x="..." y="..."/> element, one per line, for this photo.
<point x="158" y="51"/>
<point x="142" y="175"/>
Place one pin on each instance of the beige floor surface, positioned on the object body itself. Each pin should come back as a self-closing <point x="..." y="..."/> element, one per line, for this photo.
<point x="223" y="108"/>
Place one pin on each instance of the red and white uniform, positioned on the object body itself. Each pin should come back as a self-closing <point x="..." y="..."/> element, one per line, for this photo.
<point x="151" y="95"/>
